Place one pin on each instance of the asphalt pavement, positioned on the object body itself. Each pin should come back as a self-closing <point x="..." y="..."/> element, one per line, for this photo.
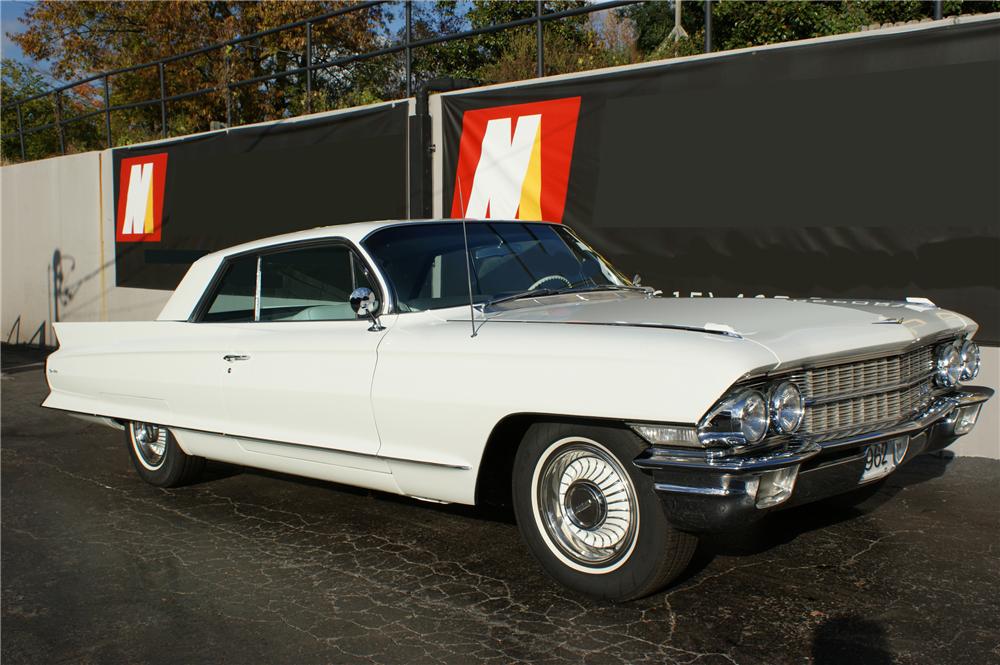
<point x="252" y="567"/>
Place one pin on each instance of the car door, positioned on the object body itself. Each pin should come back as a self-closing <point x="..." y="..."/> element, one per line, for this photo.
<point x="301" y="371"/>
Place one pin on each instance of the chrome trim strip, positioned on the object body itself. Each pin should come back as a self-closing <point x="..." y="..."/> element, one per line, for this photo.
<point x="662" y="326"/>
<point x="109" y="420"/>
<point x="463" y="467"/>
<point x="829" y="465"/>
<point x="664" y="457"/>
<point x="702" y="491"/>
<point x="256" y="294"/>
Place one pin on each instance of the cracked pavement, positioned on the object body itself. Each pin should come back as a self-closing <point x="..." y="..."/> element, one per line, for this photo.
<point x="254" y="567"/>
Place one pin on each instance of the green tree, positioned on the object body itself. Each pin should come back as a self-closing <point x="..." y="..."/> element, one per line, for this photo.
<point x="19" y="81"/>
<point x="739" y="24"/>
<point x="571" y="44"/>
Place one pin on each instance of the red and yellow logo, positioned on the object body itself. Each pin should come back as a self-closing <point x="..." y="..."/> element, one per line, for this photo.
<point x="513" y="161"/>
<point x="140" y="198"/>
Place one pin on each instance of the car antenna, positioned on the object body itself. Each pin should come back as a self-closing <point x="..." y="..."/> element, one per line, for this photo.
<point x="468" y="257"/>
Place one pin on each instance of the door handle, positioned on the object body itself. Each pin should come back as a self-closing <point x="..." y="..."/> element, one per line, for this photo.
<point x="233" y="358"/>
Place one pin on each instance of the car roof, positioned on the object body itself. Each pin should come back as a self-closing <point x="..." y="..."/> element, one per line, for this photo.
<point x="355" y="232"/>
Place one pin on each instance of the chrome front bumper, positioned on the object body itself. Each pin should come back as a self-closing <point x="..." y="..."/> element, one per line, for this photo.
<point x="702" y="492"/>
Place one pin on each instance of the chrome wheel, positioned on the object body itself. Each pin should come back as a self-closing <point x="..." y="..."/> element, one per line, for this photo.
<point x="150" y="443"/>
<point x="586" y="505"/>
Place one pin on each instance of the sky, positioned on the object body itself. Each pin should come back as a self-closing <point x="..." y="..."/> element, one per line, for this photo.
<point x="10" y="11"/>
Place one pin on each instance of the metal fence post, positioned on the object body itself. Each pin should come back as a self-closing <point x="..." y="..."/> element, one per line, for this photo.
<point x="708" y="26"/>
<point x="107" y="110"/>
<point x="163" y="101"/>
<point x="539" y="41"/>
<point x="20" y="131"/>
<point x="409" y="51"/>
<point x="59" y="127"/>
<point x="227" y="61"/>
<point x="309" y="71"/>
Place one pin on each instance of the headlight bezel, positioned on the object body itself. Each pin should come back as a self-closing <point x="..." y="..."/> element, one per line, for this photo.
<point x="748" y="415"/>
<point x="723" y="424"/>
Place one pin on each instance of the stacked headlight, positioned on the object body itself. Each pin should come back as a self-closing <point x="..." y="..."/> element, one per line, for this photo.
<point x="969" y="354"/>
<point x="738" y="419"/>
<point x="745" y="415"/>
<point x="955" y="362"/>
<point x="787" y="407"/>
<point x="948" y="366"/>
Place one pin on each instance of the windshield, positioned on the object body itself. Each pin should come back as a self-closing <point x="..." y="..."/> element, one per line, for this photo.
<point x="425" y="263"/>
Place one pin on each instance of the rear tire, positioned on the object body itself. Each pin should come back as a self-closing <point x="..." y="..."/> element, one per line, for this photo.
<point x="590" y="517"/>
<point x="157" y="457"/>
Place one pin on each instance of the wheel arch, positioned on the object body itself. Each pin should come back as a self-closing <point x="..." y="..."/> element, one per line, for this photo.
<point x="493" y="478"/>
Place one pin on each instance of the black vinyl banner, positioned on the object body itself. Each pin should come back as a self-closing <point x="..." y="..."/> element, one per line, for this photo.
<point x="859" y="168"/>
<point x="176" y="201"/>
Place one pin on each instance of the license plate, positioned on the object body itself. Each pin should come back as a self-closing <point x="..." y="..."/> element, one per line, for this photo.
<point x="882" y="458"/>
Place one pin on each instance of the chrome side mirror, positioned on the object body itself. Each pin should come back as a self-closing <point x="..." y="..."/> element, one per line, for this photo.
<point x="364" y="302"/>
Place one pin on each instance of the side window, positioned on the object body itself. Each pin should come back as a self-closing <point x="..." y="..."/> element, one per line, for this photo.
<point x="312" y="284"/>
<point x="232" y="301"/>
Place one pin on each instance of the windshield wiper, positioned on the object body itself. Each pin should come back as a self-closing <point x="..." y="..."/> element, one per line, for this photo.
<point x="605" y="287"/>
<point x="530" y="293"/>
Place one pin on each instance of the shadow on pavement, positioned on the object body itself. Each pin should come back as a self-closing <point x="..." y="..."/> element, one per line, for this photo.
<point x="850" y="639"/>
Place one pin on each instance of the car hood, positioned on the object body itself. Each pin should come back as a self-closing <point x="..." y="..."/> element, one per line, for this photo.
<point x="793" y="330"/>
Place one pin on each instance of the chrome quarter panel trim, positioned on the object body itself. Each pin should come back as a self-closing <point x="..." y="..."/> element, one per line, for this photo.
<point x="704" y="491"/>
<point x="654" y="458"/>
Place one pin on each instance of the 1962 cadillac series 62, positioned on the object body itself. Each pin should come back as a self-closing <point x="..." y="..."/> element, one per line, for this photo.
<point x="509" y="362"/>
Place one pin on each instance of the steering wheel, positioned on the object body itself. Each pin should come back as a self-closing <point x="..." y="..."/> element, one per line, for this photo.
<point x="547" y="278"/>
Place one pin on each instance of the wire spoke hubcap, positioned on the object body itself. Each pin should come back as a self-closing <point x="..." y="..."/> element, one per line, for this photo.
<point x="150" y="442"/>
<point x="587" y="504"/>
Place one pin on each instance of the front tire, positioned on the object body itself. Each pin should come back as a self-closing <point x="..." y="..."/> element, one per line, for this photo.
<point x="157" y="457"/>
<point x="590" y="516"/>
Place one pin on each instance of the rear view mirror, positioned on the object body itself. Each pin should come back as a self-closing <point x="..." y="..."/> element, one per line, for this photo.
<point x="364" y="302"/>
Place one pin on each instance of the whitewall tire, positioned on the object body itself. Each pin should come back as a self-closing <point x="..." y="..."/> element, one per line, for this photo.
<point x="157" y="458"/>
<point x="590" y="516"/>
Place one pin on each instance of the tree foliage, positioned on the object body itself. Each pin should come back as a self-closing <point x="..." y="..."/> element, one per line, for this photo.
<point x="739" y="24"/>
<point x="82" y="38"/>
<point x="571" y="44"/>
<point x="19" y="82"/>
<point x="243" y="83"/>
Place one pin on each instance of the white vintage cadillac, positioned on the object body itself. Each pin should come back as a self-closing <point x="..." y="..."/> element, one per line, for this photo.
<point x="508" y="362"/>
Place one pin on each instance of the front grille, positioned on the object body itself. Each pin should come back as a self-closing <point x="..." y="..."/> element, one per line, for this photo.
<point x="858" y="397"/>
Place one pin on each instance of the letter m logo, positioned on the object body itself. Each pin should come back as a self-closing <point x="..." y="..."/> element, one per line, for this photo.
<point x="513" y="161"/>
<point x="140" y="198"/>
